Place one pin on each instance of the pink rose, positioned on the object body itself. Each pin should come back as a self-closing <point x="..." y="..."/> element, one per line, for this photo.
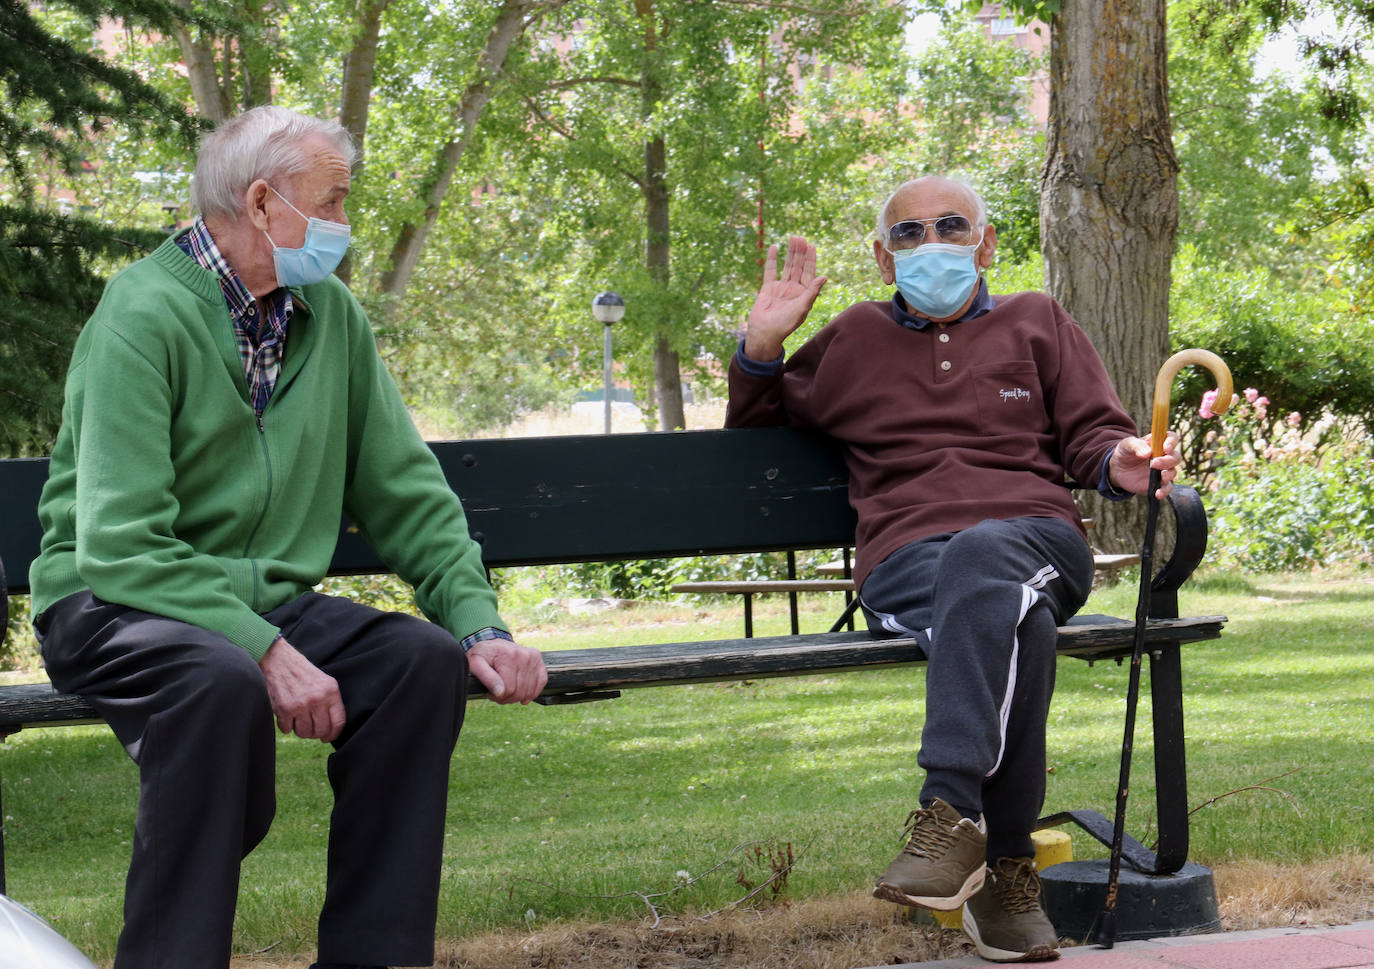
<point x="1250" y="394"/>
<point x="1294" y="419"/>
<point x="1208" y="399"/>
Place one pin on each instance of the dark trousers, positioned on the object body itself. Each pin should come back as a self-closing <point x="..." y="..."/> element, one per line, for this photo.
<point x="192" y="710"/>
<point x="986" y="603"/>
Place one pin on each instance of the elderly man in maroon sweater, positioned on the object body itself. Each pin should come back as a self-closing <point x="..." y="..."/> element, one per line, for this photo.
<point x="961" y="415"/>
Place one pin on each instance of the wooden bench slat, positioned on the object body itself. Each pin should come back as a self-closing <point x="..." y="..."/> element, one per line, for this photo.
<point x="767" y="585"/>
<point x="668" y="664"/>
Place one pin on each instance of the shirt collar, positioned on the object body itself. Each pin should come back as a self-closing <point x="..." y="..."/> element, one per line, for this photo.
<point x="982" y="303"/>
<point x="197" y="243"/>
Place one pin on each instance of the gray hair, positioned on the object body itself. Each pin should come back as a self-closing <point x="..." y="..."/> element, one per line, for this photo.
<point x="266" y="142"/>
<point x="882" y="225"/>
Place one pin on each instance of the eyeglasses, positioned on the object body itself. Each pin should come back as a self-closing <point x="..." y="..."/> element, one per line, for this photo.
<point x="910" y="233"/>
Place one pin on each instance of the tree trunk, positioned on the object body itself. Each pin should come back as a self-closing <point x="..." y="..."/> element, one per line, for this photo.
<point x="212" y="102"/>
<point x="1109" y="205"/>
<point x="359" y="75"/>
<point x="255" y="47"/>
<point x="667" y="372"/>
<point x="657" y="227"/>
<point x="360" y="71"/>
<point x="410" y="239"/>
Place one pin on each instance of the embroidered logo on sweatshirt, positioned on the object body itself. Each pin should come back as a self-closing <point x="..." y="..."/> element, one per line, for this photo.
<point x="1015" y="393"/>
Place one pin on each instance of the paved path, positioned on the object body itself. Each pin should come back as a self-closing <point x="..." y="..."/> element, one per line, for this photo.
<point x="1324" y="947"/>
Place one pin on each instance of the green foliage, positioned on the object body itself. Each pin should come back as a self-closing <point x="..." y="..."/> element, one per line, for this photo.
<point x="58" y="97"/>
<point x="974" y="124"/>
<point x="1251" y="148"/>
<point x="1308" y="351"/>
<point x="972" y="94"/>
<point x="56" y="93"/>
<point x="1288" y="500"/>
<point x="1007" y="174"/>
<point x="654" y="578"/>
<point x="1339" y="219"/>
<point x="18" y="648"/>
<point x="790" y="124"/>
<point x="647" y="579"/>
<point x="48" y="286"/>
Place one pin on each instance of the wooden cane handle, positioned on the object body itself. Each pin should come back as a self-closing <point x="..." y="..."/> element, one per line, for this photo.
<point x="1164" y="382"/>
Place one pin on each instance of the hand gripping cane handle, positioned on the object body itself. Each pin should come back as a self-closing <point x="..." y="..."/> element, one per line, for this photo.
<point x="1164" y="382"/>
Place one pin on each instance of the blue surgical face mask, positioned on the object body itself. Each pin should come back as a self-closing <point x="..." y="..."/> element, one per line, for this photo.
<point x="936" y="279"/>
<point x="320" y="254"/>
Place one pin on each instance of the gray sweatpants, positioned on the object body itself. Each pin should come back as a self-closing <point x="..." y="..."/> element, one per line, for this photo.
<point x="985" y="603"/>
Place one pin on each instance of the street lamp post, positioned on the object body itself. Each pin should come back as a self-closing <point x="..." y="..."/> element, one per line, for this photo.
<point x="608" y="307"/>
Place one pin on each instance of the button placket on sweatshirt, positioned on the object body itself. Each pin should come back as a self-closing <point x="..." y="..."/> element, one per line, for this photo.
<point x="945" y="359"/>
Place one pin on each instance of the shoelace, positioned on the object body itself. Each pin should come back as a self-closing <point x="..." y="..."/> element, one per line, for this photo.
<point x="927" y="840"/>
<point x="1018" y="889"/>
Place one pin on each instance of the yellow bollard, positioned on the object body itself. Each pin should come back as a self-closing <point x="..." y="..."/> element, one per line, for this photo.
<point x="1051" y="847"/>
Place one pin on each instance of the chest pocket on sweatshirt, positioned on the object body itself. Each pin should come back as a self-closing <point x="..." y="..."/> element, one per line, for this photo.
<point x="1009" y="398"/>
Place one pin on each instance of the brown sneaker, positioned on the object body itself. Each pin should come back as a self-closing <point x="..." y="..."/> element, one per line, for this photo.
<point x="1005" y="919"/>
<point x="942" y="864"/>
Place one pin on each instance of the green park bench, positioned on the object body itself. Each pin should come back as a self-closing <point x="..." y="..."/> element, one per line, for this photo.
<point x="540" y="501"/>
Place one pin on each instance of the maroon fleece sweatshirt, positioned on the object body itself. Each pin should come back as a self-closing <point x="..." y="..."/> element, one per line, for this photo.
<point x="950" y="425"/>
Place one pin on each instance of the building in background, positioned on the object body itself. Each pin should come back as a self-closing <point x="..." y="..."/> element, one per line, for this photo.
<point x="1032" y="37"/>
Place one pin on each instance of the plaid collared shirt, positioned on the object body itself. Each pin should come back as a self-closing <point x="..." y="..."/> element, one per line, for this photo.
<point x="259" y="325"/>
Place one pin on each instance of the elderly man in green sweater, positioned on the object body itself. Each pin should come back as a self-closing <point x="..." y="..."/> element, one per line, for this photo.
<point x="225" y="405"/>
<point x="961" y="414"/>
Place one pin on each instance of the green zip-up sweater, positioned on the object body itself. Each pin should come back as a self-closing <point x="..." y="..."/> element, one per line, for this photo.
<point x="166" y="495"/>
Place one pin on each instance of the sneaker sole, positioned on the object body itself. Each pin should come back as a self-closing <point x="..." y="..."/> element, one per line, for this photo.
<point x="891" y="893"/>
<point x="1039" y="953"/>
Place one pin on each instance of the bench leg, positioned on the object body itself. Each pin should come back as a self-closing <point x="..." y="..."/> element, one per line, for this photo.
<point x="1171" y="772"/>
<point x="846" y="617"/>
<point x="2" y="835"/>
<point x="1171" y="777"/>
<point x="792" y="596"/>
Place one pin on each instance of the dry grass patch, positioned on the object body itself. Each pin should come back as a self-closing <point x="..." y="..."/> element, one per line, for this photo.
<point x="1255" y="895"/>
<point x="854" y="931"/>
<point x="837" y="933"/>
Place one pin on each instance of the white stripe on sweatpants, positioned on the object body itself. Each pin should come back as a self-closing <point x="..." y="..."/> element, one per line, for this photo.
<point x="890" y="623"/>
<point x="1030" y="595"/>
<point x="1028" y="599"/>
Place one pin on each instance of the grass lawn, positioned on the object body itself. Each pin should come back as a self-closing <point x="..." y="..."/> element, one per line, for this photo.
<point x="580" y="812"/>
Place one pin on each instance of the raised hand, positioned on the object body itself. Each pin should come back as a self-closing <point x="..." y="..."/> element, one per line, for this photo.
<point x="783" y="302"/>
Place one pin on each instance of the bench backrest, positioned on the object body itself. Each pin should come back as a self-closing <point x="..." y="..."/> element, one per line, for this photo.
<point x="537" y="501"/>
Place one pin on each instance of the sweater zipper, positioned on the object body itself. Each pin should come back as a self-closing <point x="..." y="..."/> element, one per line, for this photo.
<point x="262" y="516"/>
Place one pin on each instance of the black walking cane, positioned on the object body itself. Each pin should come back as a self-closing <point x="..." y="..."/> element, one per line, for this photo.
<point x="1105" y="933"/>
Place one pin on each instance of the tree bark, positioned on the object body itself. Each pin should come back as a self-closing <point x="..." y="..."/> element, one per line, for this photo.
<point x="359" y="76"/>
<point x="255" y="46"/>
<point x="667" y="366"/>
<point x="212" y="101"/>
<point x="360" y="71"/>
<point x="1109" y="204"/>
<point x="410" y="238"/>
<point x="657" y="229"/>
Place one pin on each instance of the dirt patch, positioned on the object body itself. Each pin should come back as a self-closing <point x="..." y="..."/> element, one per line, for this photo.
<point x="855" y="930"/>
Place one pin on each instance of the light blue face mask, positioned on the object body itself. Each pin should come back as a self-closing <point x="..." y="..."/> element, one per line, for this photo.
<point x="936" y="279"/>
<point x="320" y="254"/>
